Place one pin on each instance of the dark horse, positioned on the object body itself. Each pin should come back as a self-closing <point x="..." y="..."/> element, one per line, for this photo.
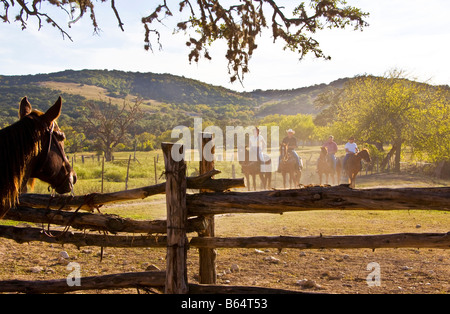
<point x="33" y="148"/>
<point x="254" y="168"/>
<point x="289" y="165"/>
<point x="353" y="166"/>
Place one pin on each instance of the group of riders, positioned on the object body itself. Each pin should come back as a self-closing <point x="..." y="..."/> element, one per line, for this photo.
<point x="257" y="145"/>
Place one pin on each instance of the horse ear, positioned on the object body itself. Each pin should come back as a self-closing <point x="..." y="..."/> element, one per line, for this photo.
<point x="24" y="108"/>
<point x="53" y="112"/>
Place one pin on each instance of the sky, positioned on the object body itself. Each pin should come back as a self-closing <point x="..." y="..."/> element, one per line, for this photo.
<point x="411" y="35"/>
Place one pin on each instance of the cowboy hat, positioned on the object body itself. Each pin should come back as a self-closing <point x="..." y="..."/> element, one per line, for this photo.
<point x="290" y="131"/>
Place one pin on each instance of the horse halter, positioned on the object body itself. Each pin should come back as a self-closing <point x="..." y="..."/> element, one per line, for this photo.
<point x="285" y="151"/>
<point x="54" y="136"/>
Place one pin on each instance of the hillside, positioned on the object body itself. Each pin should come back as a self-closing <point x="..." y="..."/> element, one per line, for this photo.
<point x="164" y="88"/>
<point x="166" y="101"/>
<point x="160" y="93"/>
<point x="291" y="102"/>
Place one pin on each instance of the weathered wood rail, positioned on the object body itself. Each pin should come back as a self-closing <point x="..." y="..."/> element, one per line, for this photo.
<point x="103" y="222"/>
<point x="153" y="279"/>
<point x="275" y="201"/>
<point x="79" y="239"/>
<point x="114" y="281"/>
<point x="195" y="213"/>
<point x="399" y="240"/>
<point x="319" y="198"/>
<point x="91" y="201"/>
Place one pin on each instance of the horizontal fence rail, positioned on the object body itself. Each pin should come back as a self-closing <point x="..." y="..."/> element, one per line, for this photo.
<point x="91" y="201"/>
<point x="399" y="240"/>
<point x="100" y="222"/>
<point x="319" y="198"/>
<point x="114" y="281"/>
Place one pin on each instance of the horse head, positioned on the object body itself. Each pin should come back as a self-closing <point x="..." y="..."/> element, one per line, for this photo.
<point x="284" y="152"/>
<point x="243" y="155"/>
<point x="51" y="164"/>
<point x="364" y="154"/>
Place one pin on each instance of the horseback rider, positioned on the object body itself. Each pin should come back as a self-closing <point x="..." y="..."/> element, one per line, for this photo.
<point x="291" y="142"/>
<point x="350" y="149"/>
<point x="332" y="149"/>
<point x="257" y="148"/>
<point x="257" y="145"/>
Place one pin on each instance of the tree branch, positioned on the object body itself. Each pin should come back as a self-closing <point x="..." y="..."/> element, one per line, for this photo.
<point x="237" y="22"/>
<point x="35" y="12"/>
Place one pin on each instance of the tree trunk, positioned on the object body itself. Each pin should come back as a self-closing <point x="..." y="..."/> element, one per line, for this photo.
<point x="389" y="155"/>
<point x="398" y="154"/>
<point x="108" y="153"/>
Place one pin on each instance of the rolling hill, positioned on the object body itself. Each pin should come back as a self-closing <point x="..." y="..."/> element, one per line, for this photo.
<point x="159" y="93"/>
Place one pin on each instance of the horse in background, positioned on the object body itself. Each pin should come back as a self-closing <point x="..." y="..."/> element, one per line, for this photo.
<point x="33" y="148"/>
<point x="325" y="166"/>
<point x="353" y="165"/>
<point x="288" y="166"/>
<point x="256" y="168"/>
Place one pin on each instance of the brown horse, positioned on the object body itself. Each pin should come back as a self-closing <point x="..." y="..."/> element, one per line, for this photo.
<point x="33" y="148"/>
<point x="253" y="168"/>
<point x="289" y="165"/>
<point x="325" y="166"/>
<point x="353" y="165"/>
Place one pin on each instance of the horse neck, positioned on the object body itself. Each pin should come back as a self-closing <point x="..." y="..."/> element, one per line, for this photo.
<point x="361" y="155"/>
<point x="323" y="156"/>
<point x="286" y="154"/>
<point x="20" y="146"/>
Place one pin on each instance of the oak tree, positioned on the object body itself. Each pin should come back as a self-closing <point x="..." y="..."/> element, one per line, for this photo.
<point x="394" y="110"/>
<point x="110" y="123"/>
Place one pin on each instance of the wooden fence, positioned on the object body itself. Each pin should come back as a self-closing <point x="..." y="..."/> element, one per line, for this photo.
<point x="195" y="213"/>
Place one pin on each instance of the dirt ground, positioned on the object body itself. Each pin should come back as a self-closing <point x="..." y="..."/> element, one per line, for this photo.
<point x="401" y="271"/>
<point x="425" y="271"/>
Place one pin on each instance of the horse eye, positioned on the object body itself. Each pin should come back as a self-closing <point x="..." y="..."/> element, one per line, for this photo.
<point x="60" y="135"/>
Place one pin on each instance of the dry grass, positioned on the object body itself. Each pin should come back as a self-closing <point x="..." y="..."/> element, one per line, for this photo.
<point x="96" y="93"/>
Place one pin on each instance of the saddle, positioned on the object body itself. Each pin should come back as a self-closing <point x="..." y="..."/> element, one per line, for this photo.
<point x="265" y="160"/>
<point x="266" y="163"/>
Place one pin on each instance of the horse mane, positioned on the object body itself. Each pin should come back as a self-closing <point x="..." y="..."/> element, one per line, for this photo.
<point x="364" y="151"/>
<point x="364" y="154"/>
<point x="19" y="143"/>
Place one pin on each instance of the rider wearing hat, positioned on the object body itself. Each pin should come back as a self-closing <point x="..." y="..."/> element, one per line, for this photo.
<point x="291" y="142"/>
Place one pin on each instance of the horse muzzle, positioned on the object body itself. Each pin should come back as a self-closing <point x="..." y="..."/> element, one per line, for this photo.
<point x="67" y="185"/>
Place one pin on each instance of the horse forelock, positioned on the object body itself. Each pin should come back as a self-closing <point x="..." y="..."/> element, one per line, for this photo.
<point x="19" y="143"/>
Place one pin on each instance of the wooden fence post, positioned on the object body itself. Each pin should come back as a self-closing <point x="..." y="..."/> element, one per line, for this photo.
<point x="207" y="256"/>
<point x="177" y="242"/>
<point x="128" y="173"/>
<point x="103" y="171"/>
<point x="154" y="165"/>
